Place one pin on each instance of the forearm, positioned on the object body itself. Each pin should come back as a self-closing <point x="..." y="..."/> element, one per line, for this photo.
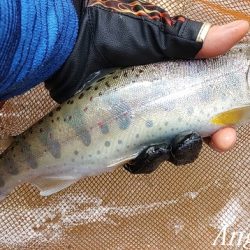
<point x="36" y="37"/>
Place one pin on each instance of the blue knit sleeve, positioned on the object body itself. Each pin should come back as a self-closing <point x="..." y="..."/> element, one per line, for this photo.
<point x="36" y="37"/>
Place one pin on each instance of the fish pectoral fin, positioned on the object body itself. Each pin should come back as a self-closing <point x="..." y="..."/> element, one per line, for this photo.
<point x="232" y="117"/>
<point x="52" y="184"/>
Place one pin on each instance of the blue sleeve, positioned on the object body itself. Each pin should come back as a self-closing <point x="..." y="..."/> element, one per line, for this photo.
<point x="36" y="38"/>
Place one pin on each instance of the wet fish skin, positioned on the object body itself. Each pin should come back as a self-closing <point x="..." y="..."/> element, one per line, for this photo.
<point x="112" y="120"/>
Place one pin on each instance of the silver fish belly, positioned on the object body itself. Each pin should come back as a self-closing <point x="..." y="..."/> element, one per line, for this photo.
<point x="113" y="119"/>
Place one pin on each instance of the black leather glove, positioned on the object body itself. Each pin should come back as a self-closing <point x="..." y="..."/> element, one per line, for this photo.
<point x="121" y="33"/>
<point x="184" y="149"/>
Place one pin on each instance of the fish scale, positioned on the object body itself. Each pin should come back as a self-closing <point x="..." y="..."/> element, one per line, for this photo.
<point x="115" y="118"/>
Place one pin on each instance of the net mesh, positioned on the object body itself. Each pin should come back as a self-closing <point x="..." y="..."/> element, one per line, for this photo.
<point x="173" y="208"/>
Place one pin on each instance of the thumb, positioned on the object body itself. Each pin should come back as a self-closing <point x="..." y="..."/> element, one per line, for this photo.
<point x="222" y="38"/>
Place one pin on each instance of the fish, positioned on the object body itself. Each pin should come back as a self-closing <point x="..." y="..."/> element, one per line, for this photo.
<point x="114" y="118"/>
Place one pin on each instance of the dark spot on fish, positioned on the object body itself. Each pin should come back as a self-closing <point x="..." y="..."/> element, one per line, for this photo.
<point x="1" y="182"/>
<point x="89" y="88"/>
<point x="10" y="166"/>
<point x="12" y="148"/>
<point x="85" y="109"/>
<point x="58" y="118"/>
<point x="122" y="111"/>
<point x="68" y="102"/>
<point x="119" y="141"/>
<point x="107" y="144"/>
<point x="71" y="102"/>
<point x="149" y="124"/>
<point x="81" y="96"/>
<point x="82" y="132"/>
<point x="58" y="108"/>
<point x="100" y="93"/>
<point x="107" y="84"/>
<point x="96" y="87"/>
<point x="40" y="122"/>
<point x="52" y="121"/>
<point x="30" y="158"/>
<point x="125" y="74"/>
<point x="85" y="136"/>
<point x="76" y="152"/>
<point x="41" y="130"/>
<point x="140" y="71"/>
<point x="51" y="114"/>
<point x="124" y="121"/>
<point x="127" y="146"/>
<point x="137" y="75"/>
<point x="104" y="128"/>
<point x="115" y="77"/>
<point x="133" y="69"/>
<point x="101" y="79"/>
<point x="52" y="144"/>
<point x="70" y="117"/>
<point x="91" y="98"/>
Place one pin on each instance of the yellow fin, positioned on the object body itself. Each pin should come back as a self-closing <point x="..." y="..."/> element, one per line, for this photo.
<point x="232" y="117"/>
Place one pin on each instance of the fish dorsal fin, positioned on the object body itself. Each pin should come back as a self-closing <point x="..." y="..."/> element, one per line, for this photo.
<point x="52" y="184"/>
<point x="232" y="117"/>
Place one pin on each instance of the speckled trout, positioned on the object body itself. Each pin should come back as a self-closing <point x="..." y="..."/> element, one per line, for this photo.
<point x="113" y="119"/>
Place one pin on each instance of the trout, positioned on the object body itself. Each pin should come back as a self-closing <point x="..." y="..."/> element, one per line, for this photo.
<point x="113" y="119"/>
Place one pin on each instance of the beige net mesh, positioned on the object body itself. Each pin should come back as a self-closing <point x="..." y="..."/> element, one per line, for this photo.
<point x="174" y="208"/>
